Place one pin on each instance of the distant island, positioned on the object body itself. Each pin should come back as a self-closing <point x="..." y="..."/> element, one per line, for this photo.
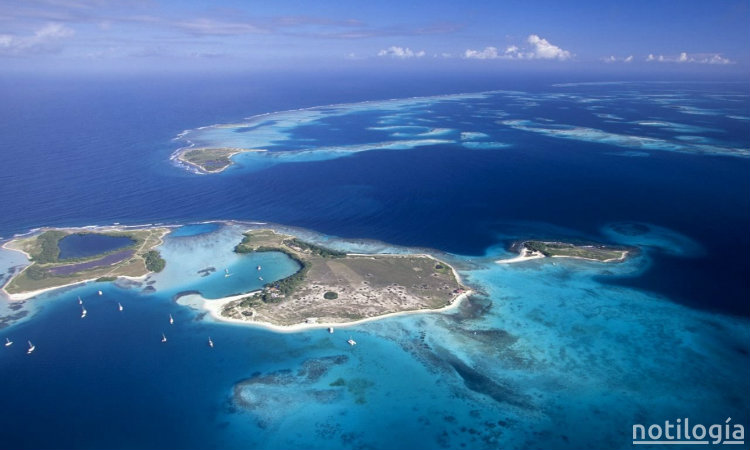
<point x="334" y="287"/>
<point x="555" y="249"/>
<point x="210" y="159"/>
<point x="100" y="254"/>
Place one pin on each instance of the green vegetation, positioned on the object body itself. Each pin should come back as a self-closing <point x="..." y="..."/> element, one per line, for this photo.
<point x="330" y="295"/>
<point x="601" y="253"/>
<point x="252" y="301"/>
<point x="538" y="246"/>
<point x="49" y="251"/>
<point x="210" y="159"/>
<point x="154" y="261"/>
<point x="48" y="271"/>
<point x="287" y="285"/>
<point x="314" y="249"/>
<point x="442" y="268"/>
<point x="36" y="273"/>
<point x="244" y="245"/>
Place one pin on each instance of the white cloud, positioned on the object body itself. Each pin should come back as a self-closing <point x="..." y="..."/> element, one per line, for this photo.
<point x="538" y="48"/>
<point x="696" y="58"/>
<point x="487" y="53"/>
<point x="615" y="59"/>
<point x="44" y="40"/>
<point x="716" y="59"/>
<point x="544" y="50"/>
<point x="401" y="52"/>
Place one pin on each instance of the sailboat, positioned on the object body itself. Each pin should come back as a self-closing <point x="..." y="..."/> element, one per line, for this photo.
<point x="83" y="312"/>
<point x="163" y="338"/>
<point x="8" y="342"/>
<point x="119" y="306"/>
<point x="101" y="293"/>
<point x="330" y="330"/>
<point x="352" y="342"/>
<point x="171" y="320"/>
<point x="260" y="278"/>
<point x="80" y="302"/>
<point x="210" y="342"/>
<point x="31" y="349"/>
<point x="226" y="273"/>
<point x="259" y="267"/>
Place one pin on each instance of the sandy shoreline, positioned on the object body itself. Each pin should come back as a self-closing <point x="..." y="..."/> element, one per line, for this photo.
<point x="527" y="254"/>
<point x="214" y="308"/>
<point x="105" y="228"/>
<point x="27" y="295"/>
<point x="524" y="255"/>
<point x="180" y="156"/>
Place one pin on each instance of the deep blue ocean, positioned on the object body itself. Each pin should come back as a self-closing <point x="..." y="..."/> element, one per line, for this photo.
<point x="82" y="152"/>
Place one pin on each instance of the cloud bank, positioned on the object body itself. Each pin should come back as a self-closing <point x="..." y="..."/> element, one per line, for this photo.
<point x="614" y="59"/>
<point x="698" y="58"/>
<point x="401" y="52"/>
<point x="536" y="48"/>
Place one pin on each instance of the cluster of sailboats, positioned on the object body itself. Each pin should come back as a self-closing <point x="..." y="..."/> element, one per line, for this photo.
<point x="227" y="274"/>
<point x="84" y="313"/>
<point x="29" y="351"/>
<point x="171" y="322"/>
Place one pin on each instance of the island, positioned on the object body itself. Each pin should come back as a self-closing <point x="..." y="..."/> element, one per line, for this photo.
<point x="333" y="287"/>
<point x="555" y="249"/>
<point x="67" y="256"/>
<point x="210" y="159"/>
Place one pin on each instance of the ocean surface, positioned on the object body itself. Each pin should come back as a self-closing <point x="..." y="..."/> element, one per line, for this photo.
<point x="548" y="354"/>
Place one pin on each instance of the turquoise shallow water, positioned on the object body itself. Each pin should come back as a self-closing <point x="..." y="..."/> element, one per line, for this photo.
<point x="206" y="263"/>
<point x="542" y="348"/>
<point x="547" y="354"/>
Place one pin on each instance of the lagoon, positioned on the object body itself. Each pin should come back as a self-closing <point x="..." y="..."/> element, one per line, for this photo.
<point x="83" y="245"/>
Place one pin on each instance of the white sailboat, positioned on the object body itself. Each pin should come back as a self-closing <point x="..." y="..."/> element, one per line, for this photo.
<point x="171" y="320"/>
<point x="260" y="278"/>
<point x="101" y="293"/>
<point x="352" y="342"/>
<point x="83" y="312"/>
<point x="8" y="342"/>
<point x="31" y="349"/>
<point x="259" y="268"/>
<point x="80" y="302"/>
<point x="163" y="337"/>
<point x="226" y="273"/>
<point x="119" y="306"/>
<point x="210" y="342"/>
<point x="330" y="330"/>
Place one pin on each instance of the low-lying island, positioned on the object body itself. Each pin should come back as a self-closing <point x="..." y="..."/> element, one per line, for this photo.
<point x="333" y="287"/>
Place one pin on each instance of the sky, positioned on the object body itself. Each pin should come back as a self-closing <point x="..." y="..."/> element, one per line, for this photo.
<point x="49" y="36"/>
